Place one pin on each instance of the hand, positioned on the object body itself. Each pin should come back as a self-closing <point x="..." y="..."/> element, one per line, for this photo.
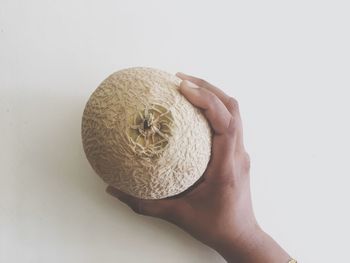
<point x="217" y="210"/>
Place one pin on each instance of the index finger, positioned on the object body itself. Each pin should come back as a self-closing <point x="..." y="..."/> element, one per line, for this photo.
<point x="214" y="110"/>
<point x="230" y="103"/>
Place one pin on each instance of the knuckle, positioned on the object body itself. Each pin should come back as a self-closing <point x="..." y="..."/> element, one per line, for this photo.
<point x="245" y="161"/>
<point x="212" y="100"/>
<point x="201" y="82"/>
<point x="232" y="127"/>
<point x="232" y="105"/>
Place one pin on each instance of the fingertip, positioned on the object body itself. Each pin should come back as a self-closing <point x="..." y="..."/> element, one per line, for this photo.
<point x="129" y="200"/>
<point x="187" y="85"/>
<point x="157" y="208"/>
<point x="181" y="75"/>
<point x="109" y="189"/>
<point x="181" y="87"/>
<point x="190" y="84"/>
<point x="113" y="191"/>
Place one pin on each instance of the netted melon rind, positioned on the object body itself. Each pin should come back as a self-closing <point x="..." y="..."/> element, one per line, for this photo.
<point x="137" y="165"/>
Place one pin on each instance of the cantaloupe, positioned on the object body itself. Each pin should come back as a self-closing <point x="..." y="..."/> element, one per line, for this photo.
<point x="142" y="136"/>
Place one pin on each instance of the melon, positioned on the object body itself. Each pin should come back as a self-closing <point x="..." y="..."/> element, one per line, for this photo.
<point x="142" y="136"/>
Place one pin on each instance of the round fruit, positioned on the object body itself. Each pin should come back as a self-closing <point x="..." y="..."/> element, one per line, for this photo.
<point x="142" y="136"/>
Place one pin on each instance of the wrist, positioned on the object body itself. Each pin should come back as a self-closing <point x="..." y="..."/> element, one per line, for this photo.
<point x="235" y="245"/>
<point x="253" y="245"/>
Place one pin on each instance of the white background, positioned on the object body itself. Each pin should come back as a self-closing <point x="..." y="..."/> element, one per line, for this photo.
<point x="288" y="64"/>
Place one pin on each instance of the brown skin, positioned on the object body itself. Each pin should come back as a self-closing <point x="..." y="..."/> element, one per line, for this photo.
<point x="218" y="209"/>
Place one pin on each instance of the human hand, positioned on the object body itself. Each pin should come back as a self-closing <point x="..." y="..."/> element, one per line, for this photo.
<point x="217" y="210"/>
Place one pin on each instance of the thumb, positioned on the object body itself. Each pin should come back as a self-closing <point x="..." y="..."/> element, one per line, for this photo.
<point x="155" y="208"/>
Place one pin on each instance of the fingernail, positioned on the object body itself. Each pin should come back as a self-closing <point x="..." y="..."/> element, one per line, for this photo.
<point x="190" y="84"/>
<point x="180" y="75"/>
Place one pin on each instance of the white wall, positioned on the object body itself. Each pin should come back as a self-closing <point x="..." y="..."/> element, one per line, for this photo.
<point x="287" y="62"/>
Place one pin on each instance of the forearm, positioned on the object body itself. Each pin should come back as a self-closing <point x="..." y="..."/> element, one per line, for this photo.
<point x="258" y="247"/>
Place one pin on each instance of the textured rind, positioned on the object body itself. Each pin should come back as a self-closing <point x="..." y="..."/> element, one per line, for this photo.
<point x="114" y="155"/>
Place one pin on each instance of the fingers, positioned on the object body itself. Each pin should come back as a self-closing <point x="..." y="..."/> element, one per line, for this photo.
<point x="230" y="103"/>
<point x="155" y="208"/>
<point x="214" y="110"/>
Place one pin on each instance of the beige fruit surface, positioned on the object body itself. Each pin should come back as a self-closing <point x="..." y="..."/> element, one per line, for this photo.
<point x="142" y="136"/>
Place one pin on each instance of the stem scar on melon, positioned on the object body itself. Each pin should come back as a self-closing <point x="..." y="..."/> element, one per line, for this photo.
<point x="151" y="128"/>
